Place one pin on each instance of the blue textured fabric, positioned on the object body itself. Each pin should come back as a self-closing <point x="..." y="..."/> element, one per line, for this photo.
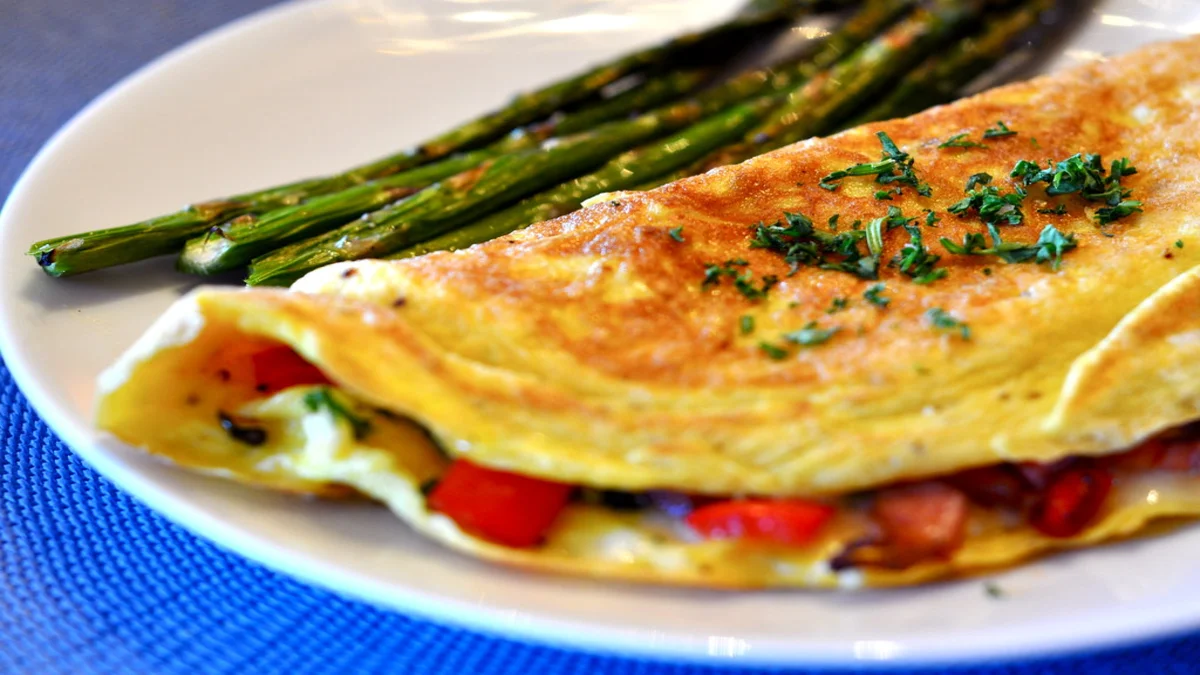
<point x="91" y="581"/>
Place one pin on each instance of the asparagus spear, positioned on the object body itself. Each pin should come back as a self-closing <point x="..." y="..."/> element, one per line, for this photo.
<point x="621" y="173"/>
<point x="830" y="96"/>
<point x="941" y="76"/>
<point x="465" y="197"/>
<point x="654" y="92"/>
<point x="650" y="164"/>
<point x="78" y="253"/>
<point x="239" y="241"/>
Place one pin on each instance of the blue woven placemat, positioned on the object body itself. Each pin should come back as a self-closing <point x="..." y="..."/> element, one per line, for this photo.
<point x="91" y="581"/>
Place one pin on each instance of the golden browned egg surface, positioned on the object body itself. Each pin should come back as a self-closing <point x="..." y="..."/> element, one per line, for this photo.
<point x="587" y="349"/>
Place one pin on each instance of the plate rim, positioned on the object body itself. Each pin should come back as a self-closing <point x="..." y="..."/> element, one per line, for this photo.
<point x="540" y="628"/>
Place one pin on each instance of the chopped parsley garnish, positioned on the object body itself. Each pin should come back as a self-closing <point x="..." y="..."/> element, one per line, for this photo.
<point x="833" y="222"/>
<point x="961" y="141"/>
<point x="931" y="218"/>
<point x="324" y="397"/>
<point x="1084" y="173"/>
<point x="992" y="206"/>
<point x="743" y="280"/>
<point x="895" y="166"/>
<point x="1178" y="243"/>
<point x="746" y="324"/>
<point x="977" y="179"/>
<point x="777" y="353"/>
<point x="942" y="320"/>
<point x="1060" y="210"/>
<point x="874" y="295"/>
<point x="1109" y="214"/>
<point x="1000" y="130"/>
<point x="798" y="241"/>
<point x="916" y="261"/>
<point x="993" y="591"/>
<point x="886" y="195"/>
<point x="837" y="305"/>
<point x="811" y="335"/>
<point x="676" y="233"/>
<point x="1050" y="246"/>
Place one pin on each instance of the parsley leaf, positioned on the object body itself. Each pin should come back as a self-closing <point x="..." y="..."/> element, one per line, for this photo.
<point x="961" y="141"/>
<point x="1000" y="130"/>
<point x="1084" y="173"/>
<point x="776" y="353"/>
<point x="916" y="261"/>
<point x="895" y="166"/>
<point x="743" y="281"/>
<point x="323" y="397"/>
<point x="676" y="233"/>
<point x="942" y="320"/>
<point x="800" y="243"/>
<point x="992" y="206"/>
<point x="874" y="295"/>
<point x="1178" y="243"/>
<point x="931" y="218"/>
<point x="811" y="335"/>
<point x="837" y="305"/>
<point x="1050" y="246"/>
<point x="1060" y="210"/>
<point x="746" y="324"/>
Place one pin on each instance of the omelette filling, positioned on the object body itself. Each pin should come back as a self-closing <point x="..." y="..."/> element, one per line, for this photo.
<point x="893" y="527"/>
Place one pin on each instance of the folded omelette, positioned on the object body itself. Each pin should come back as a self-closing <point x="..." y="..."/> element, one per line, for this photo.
<point x="916" y="349"/>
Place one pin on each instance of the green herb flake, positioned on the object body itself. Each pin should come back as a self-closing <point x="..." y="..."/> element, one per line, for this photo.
<point x="1060" y="210"/>
<point x="942" y="320"/>
<point x="961" y="141"/>
<point x="1178" y="243"/>
<point x="993" y="590"/>
<point x="324" y="398"/>
<point x="775" y="352"/>
<point x="1050" y="246"/>
<point x="916" y="261"/>
<point x="1084" y="173"/>
<point x="992" y="206"/>
<point x="833" y="222"/>
<point x="987" y="271"/>
<point x="746" y="324"/>
<point x="894" y="167"/>
<point x="837" y="305"/>
<point x="874" y="295"/>
<point x="931" y="218"/>
<point x="811" y="335"/>
<point x="999" y="131"/>
<point x="676" y="233"/>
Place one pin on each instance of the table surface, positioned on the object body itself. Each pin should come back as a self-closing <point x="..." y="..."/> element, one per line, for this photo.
<point x="92" y="581"/>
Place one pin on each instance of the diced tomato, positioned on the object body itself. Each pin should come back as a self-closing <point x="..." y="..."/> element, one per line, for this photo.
<point x="1000" y="485"/>
<point x="504" y="508"/>
<point x="921" y="520"/>
<point x="784" y="521"/>
<point x="281" y="367"/>
<point x="1071" y="501"/>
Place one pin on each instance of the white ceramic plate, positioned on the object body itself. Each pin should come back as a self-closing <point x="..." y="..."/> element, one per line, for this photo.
<point x="306" y="88"/>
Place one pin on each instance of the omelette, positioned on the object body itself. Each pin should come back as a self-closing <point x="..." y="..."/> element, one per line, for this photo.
<point x="917" y="349"/>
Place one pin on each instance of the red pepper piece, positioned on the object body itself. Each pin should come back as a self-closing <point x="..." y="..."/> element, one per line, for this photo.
<point x="278" y="368"/>
<point x="1071" y="501"/>
<point x="501" y="507"/>
<point x="784" y="521"/>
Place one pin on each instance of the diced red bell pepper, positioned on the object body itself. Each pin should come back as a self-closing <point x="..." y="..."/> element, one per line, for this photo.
<point x="501" y="507"/>
<point x="784" y="521"/>
<point x="1071" y="501"/>
<point x="278" y="368"/>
